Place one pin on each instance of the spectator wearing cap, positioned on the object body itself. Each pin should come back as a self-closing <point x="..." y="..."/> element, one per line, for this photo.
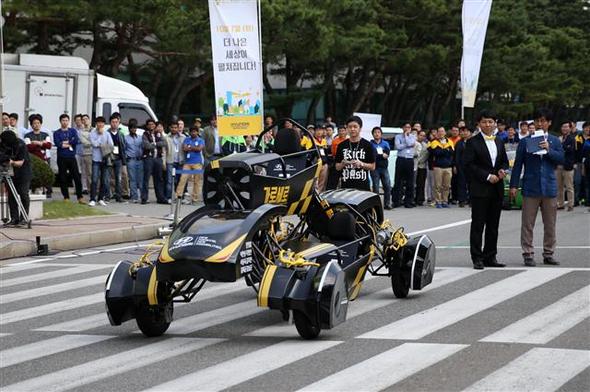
<point x="133" y="157"/>
<point x="102" y="147"/>
<point x="196" y="123"/>
<point x="192" y="147"/>
<point x="381" y="175"/>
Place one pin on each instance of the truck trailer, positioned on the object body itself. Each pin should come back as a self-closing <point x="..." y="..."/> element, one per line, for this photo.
<point x="52" y="85"/>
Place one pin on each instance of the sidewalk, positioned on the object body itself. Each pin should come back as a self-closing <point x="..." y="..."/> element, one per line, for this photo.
<point x="77" y="233"/>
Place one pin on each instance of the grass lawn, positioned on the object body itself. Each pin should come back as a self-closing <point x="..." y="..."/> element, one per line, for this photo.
<point x="58" y="209"/>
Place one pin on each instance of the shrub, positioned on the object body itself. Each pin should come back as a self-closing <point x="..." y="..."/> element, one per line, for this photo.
<point x="42" y="174"/>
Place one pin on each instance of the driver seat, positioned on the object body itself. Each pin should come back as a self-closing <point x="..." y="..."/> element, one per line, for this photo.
<point x="341" y="230"/>
<point x="287" y="141"/>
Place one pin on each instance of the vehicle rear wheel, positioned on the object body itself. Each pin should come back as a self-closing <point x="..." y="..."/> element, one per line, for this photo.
<point x="154" y="320"/>
<point x="400" y="282"/>
<point x="305" y="327"/>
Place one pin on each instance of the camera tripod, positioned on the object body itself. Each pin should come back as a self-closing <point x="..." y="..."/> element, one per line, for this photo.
<point x="7" y="185"/>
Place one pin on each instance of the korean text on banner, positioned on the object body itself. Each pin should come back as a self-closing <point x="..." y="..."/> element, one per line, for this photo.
<point x="476" y="14"/>
<point x="237" y="66"/>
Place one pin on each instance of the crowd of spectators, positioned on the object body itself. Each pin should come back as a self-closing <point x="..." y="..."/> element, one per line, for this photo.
<point x="110" y="162"/>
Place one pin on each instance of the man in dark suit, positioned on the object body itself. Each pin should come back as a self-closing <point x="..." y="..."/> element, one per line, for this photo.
<point x="485" y="161"/>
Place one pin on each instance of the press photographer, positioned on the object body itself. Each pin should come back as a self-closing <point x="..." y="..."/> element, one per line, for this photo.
<point x="15" y="165"/>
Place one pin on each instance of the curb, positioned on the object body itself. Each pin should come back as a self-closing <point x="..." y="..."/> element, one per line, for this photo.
<point x="16" y="249"/>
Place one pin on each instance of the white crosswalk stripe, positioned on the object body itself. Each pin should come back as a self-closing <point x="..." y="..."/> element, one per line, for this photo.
<point x="54" y="307"/>
<point x="548" y="323"/>
<point x="80" y="269"/>
<point x="386" y="369"/>
<point x="540" y="369"/>
<point x="245" y="367"/>
<point x="424" y="323"/>
<point x="369" y="303"/>
<point x="46" y="347"/>
<point x="211" y="318"/>
<point x="102" y="368"/>
<point x="47" y="290"/>
<point x="101" y="319"/>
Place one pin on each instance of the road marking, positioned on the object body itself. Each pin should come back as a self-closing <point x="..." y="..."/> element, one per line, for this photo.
<point x="540" y="369"/>
<point x="523" y="268"/>
<point x="443" y="227"/>
<point x="208" y="319"/>
<point x="4" y="334"/>
<point x="510" y="247"/>
<point x="386" y="369"/>
<point x="54" y="307"/>
<point x="102" y="368"/>
<point x="101" y="319"/>
<point x="548" y="323"/>
<point x="138" y="245"/>
<point x="367" y="304"/>
<point x="47" y="290"/>
<point x="246" y="367"/>
<point x="47" y="347"/>
<point x="80" y="269"/>
<point x="431" y="320"/>
<point x="78" y="325"/>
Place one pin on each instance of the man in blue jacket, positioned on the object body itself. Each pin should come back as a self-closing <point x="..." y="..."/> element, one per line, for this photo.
<point x="66" y="140"/>
<point x="539" y="188"/>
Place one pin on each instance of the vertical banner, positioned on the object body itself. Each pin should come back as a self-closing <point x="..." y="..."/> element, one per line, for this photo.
<point x="237" y="66"/>
<point x="476" y="14"/>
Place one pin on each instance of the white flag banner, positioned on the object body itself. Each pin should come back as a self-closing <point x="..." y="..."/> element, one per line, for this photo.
<point x="476" y="14"/>
<point x="237" y="66"/>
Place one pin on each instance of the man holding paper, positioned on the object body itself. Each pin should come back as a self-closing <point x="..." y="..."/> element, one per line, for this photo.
<point x="539" y="154"/>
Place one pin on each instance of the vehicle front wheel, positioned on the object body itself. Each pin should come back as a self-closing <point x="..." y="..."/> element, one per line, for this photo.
<point x="400" y="282"/>
<point x="154" y="320"/>
<point x="306" y="328"/>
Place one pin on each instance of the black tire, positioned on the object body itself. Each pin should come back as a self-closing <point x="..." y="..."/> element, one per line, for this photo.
<point x="400" y="282"/>
<point x="151" y="320"/>
<point x="305" y="328"/>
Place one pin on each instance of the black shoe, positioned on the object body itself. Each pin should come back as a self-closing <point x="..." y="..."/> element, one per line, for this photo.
<point x="11" y="223"/>
<point x="478" y="265"/>
<point x="408" y="206"/>
<point x="462" y="204"/>
<point x="529" y="261"/>
<point x="144" y="202"/>
<point x="162" y="202"/>
<point x="550" y="260"/>
<point x="387" y="207"/>
<point x="126" y="197"/>
<point x="85" y="192"/>
<point x="494" y="264"/>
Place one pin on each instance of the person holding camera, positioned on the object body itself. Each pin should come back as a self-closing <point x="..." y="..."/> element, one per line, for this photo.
<point x="14" y="154"/>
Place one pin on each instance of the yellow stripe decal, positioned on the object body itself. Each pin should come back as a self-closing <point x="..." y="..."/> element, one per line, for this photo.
<point x="292" y="208"/>
<point x="225" y="253"/>
<point x="305" y="205"/>
<point x="357" y="280"/>
<point x="152" y="289"/>
<point x="215" y="164"/>
<point x="306" y="189"/>
<point x="265" y="284"/>
<point x="164" y="255"/>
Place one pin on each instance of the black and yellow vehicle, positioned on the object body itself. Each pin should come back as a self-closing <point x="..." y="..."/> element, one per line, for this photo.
<point x="305" y="254"/>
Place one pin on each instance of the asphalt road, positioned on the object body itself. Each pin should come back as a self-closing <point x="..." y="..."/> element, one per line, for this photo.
<point x="508" y="329"/>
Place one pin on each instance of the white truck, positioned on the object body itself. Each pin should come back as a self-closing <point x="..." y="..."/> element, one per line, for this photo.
<point x="52" y="85"/>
